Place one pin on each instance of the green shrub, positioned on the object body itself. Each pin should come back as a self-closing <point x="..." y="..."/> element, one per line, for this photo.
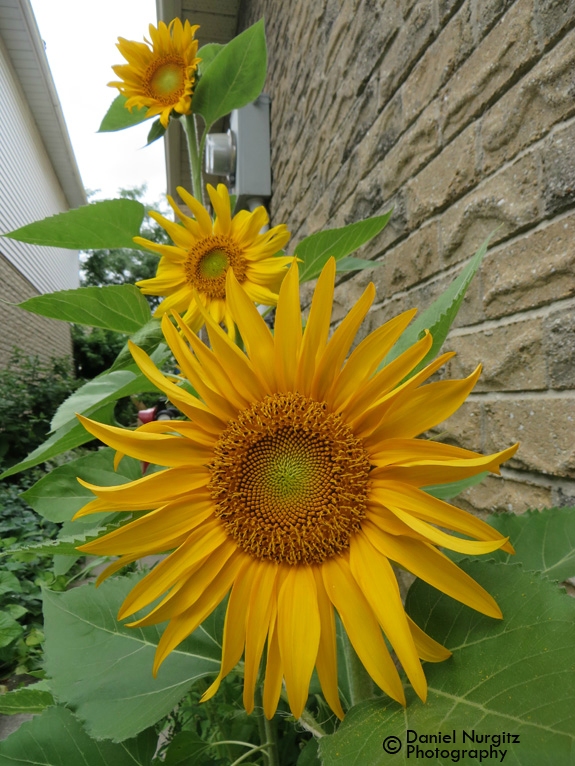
<point x="30" y="393"/>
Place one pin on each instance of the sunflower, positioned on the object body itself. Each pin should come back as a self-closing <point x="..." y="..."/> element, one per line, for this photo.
<point x="292" y="487"/>
<point x="192" y="272"/>
<point x="159" y="75"/>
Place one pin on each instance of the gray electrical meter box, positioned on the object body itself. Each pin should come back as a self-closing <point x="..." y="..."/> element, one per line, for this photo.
<point x="250" y="127"/>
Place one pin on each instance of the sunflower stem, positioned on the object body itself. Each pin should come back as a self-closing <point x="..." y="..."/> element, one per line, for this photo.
<point x="267" y="730"/>
<point x="195" y="158"/>
<point x="360" y="684"/>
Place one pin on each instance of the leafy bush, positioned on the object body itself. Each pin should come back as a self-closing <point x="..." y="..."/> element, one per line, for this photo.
<point x="21" y="578"/>
<point x="30" y="393"/>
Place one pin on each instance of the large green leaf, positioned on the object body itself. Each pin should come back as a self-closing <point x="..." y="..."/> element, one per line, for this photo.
<point x="31" y="699"/>
<point x="235" y="77"/>
<point x="317" y="249"/>
<point x="66" y="438"/>
<point x="147" y="338"/>
<point x="10" y="629"/>
<point x="439" y="317"/>
<point x="56" y="738"/>
<point x="515" y="675"/>
<point x="103" y="670"/>
<point x="108" y="387"/>
<point x="58" y="495"/>
<point x="207" y="54"/>
<point x="106" y="224"/>
<point x="115" y="307"/>
<point x="118" y="117"/>
<point x="543" y="540"/>
<point x="65" y="545"/>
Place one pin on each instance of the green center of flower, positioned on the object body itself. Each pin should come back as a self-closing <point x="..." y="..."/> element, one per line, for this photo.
<point x="208" y="261"/>
<point x="290" y="480"/>
<point x="166" y="80"/>
<point x="214" y="264"/>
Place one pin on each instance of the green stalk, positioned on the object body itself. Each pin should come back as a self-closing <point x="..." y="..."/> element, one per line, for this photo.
<point x="195" y="156"/>
<point x="268" y="731"/>
<point x="360" y="684"/>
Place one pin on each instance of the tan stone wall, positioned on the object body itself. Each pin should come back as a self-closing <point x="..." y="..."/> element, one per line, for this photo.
<point x="461" y="115"/>
<point x="33" y="334"/>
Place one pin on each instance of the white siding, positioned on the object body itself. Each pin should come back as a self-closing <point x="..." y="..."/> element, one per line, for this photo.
<point x="29" y="190"/>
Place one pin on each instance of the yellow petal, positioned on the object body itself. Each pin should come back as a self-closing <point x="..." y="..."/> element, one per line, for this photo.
<point x="255" y="332"/>
<point x="365" y="358"/>
<point x="287" y="334"/>
<point x="190" y="405"/>
<point x="257" y="626"/>
<point x="299" y="632"/>
<point x="326" y="662"/>
<point x="361" y="626"/>
<point x="428" y="649"/>
<point x="176" y="567"/>
<point x="432" y="566"/>
<point x="147" y="492"/>
<point x="190" y="589"/>
<point x="235" y="624"/>
<point x="154" y="532"/>
<point x="431" y="509"/>
<point x="376" y="579"/>
<point x="329" y="363"/>
<point x="198" y="210"/>
<point x="153" y="448"/>
<point x="181" y="626"/>
<point x="221" y="204"/>
<point x="274" y="673"/>
<point x="317" y="327"/>
<point x="415" y="412"/>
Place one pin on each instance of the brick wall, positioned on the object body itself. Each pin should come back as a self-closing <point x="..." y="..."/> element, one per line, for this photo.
<point x="461" y="115"/>
<point x="35" y="335"/>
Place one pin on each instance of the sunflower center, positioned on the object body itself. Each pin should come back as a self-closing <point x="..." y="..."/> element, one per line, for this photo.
<point x="166" y="79"/>
<point x="207" y="263"/>
<point x="290" y="480"/>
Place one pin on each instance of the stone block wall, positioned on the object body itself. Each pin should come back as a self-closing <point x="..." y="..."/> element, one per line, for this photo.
<point x="33" y="334"/>
<point x="459" y="114"/>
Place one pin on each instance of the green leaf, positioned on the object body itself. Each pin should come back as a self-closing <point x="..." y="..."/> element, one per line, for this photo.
<point x="187" y="749"/>
<point x="62" y="546"/>
<point x="66" y="438"/>
<point x="9" y="583"/>
<point x="56" y="738"/>
<point x="309" y="755"/>
<point x="317" y="249"/>
<point x="515" y="675"/>
<point x="156" y="131"/>
<point x="100" y="225"/>
<point x="454" y="488"/>
<point x="103" y="669"/>
<point x="115" y="307"/>
<point x="118" y="117"/>
<point x="58" y="495"/>
<point x="207" y="54"/>
<point x="10" y="629"/>
<point x="108" y="387"/>
<point x="235" y="77"/>
<point x="31" y="699"/>
<point x="439" y="317"/>
<point x="147" y="338"/>
<point x="349" y="264"/>
<point x="544" y="541"/>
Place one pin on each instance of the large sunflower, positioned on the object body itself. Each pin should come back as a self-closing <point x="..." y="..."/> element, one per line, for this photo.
<point x="292" y="487"/>
<point x="192" y="272"/>
<point x="160" y="74"/>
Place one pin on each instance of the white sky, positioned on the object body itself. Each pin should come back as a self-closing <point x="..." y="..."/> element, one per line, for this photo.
<point x="80" y="40"/>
